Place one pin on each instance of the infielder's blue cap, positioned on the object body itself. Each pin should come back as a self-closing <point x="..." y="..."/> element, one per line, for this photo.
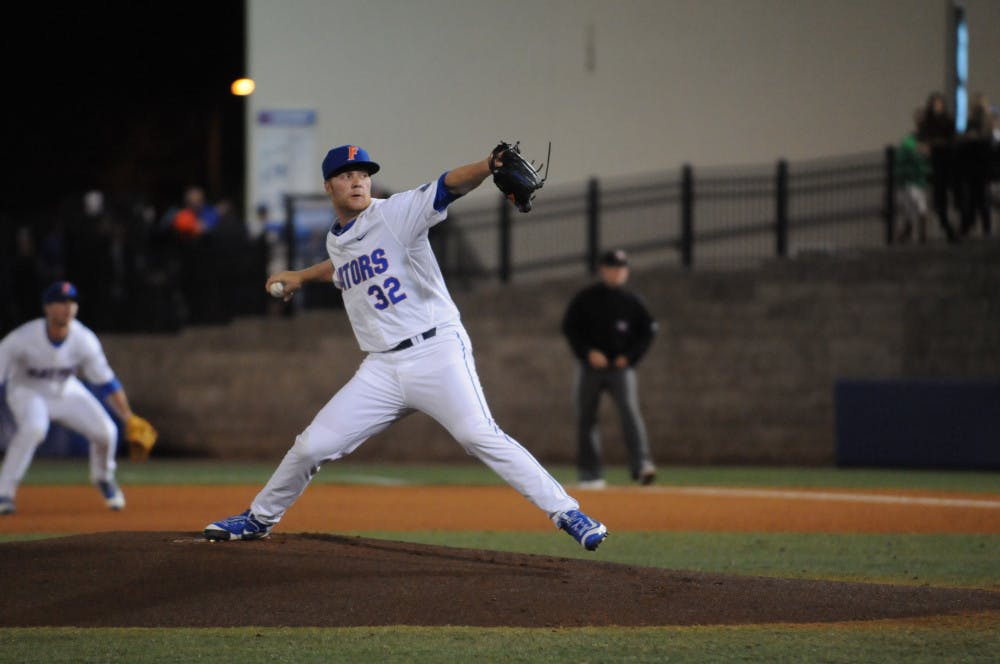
<point x="345" y="157"/>
<point x="60" y="291"/>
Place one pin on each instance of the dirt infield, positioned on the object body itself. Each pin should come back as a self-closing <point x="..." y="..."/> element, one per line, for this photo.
<point x="348" y="508"/>
<point x="146" y="566"/>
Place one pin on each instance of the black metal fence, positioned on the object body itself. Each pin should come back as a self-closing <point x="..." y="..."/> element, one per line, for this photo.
<point x="716" y="218"/>
<point x="713" y="218"/>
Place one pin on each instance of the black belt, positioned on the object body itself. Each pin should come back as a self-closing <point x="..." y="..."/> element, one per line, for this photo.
<point x="406" y="343"/>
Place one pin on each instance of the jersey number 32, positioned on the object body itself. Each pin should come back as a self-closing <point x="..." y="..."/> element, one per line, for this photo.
<point x="386" y="294"/>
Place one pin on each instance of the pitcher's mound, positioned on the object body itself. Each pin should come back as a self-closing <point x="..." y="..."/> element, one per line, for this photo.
<point x="149" y="579"/>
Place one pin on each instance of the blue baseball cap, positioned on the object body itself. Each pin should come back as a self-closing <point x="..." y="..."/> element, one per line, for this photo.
<point x="348" y="156"/>
<point x="60" y="291"/>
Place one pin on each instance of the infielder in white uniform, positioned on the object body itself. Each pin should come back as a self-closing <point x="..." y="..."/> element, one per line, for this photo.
<point x="419" y="355"/>
<point x="38" y="363"/>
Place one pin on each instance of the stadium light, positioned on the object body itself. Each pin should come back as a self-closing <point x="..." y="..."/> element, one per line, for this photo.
<point x="243" y="87"/>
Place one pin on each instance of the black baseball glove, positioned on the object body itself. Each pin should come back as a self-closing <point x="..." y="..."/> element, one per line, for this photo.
<point x="514" y="176"/>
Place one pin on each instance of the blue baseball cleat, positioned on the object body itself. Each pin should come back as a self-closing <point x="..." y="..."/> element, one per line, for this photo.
<point x="113" y="496"/>
<point x="588" y="532"/>
<point x="7" y="505"/>
<point x="242" y="526"/>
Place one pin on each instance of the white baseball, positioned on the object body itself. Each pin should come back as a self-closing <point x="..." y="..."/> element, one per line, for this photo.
<point x="277" y="289"/>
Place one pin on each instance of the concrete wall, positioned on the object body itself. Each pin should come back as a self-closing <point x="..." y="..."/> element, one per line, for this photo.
<point x="743" y="370"/>
<point x="618" y="87"/>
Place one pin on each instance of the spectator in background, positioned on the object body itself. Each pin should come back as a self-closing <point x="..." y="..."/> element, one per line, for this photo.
<point x="89" y="259"/>
<point x="912" y="167"/>
<point x="230" y="226"/>
<point x="937" y="130"/>
<point x="231" y="256"/>
<point x="192" y="228"/>
<point x="609" y="331"/>
<point x="980" y="120"/>
<point x="196" y="217"/>
<point x="974" y="159"/>
<point x="154" y="297"/>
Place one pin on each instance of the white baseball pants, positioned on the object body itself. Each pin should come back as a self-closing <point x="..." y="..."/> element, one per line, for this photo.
<point x="436" y="376"/>
<point x="75" y="408"/>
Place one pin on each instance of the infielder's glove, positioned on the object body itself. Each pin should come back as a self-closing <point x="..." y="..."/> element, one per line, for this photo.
<point x="514" y="176"/>
<point x="141" y="437"/>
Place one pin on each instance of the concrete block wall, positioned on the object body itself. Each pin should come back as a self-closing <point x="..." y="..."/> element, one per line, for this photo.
<point x="743" y="369"/>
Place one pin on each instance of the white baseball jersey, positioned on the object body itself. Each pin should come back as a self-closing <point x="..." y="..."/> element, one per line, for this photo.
<point x="393" y="291"/>
<point x="29" y="359"/>
<point x="389" y="277"/>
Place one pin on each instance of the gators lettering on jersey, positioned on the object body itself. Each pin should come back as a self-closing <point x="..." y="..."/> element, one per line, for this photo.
<point x="361" y="269"/>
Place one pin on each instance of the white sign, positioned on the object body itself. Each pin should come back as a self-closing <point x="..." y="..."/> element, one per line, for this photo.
<point x="286" y="158"/>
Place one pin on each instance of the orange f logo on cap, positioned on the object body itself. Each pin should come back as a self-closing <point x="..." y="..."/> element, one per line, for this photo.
<point x="352" y="152"/>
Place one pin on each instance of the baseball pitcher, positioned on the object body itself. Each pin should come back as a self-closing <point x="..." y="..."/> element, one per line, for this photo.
<point x="419" y="355"/>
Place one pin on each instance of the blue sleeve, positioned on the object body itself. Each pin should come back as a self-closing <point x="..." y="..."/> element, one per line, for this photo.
<point x="443" y="198"/>
<point x="109" y="387"/>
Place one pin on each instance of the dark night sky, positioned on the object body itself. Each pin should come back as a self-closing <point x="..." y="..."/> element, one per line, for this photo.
<point x="130" y="97"/>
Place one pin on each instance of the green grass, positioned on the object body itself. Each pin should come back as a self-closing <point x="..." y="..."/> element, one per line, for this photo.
<point x="168" y="471"/>
<point x="978" y="641"/>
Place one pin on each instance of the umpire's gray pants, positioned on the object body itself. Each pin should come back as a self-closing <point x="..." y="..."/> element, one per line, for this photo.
<point x="624" y="388"/>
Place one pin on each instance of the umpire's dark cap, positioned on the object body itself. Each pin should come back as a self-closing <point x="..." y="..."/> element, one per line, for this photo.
<point x="615" y="258"/>
<point x="346" y="157"/>
<point x="59" y="291"/>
